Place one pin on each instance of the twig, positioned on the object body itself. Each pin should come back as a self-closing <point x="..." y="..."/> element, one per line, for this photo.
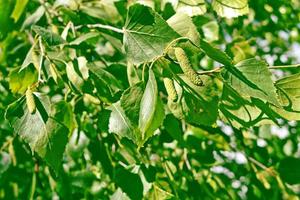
<point x="284" y="66"/>
<point x="267" y="169"/>
<point x="107" y="27"/>
<point x="216" y="70"/>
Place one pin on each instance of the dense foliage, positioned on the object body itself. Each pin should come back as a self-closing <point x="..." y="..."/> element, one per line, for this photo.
<point x="149" y="99"/>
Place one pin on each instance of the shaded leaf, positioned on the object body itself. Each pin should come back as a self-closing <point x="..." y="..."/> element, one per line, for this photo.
<point x="130" y="101"/>
<point x="288" y="90"/>
<point x="289" y="170"/>
<point x="45" y="136"/>
<point x="49" y="37"/>
<point x="124" y="179"/>
<point x="257" y="73"/>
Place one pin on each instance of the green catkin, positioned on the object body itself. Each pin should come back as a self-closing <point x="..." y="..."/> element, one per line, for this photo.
<point x="53" y="72"/>
<point x="169" y="85"/>
<point x="186" y="67"/>
<point x="30" y="101"/>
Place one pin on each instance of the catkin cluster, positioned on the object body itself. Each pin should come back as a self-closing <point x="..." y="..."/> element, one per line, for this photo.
<point x="171" y="91"/>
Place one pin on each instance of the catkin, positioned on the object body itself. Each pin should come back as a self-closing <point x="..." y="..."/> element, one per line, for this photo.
<point x="53" y="72"/>
<point x="169" y="85"/>
<point x="30" y="101"/>
<point x="186" y="67"/>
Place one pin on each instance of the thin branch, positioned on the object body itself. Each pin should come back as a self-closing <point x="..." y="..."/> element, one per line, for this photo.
<point x="216" y="70"/>
<point x="267" y="169"/>
<point x="284" y="66"/>
<point x="102" y="26"/>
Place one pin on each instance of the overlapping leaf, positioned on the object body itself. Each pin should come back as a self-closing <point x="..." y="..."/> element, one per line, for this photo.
<point x="230" y="8"/>
<point x="258" y="75"/>
<point x="44" y="134"/>
<point x="139" y="113"/>
<point x="289" y="97"/>
<point x="184" y="26"/>
<point x="191" y="7"/>
<point x="146" y="34"/>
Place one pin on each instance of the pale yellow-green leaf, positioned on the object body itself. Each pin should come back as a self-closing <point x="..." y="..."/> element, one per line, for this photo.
<point x="230" y="8"/>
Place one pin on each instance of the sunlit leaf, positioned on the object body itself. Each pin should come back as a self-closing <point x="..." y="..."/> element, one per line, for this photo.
<point x="230" y="8"/>
<point x="146" y="34"/>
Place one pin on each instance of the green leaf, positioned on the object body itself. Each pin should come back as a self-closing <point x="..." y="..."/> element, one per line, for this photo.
<point x="230" y="8"/>
<point x="130" y="183"/>
<point x="5" y="162"/>
<point x="156" y="193"/>
<point x="120" y="124"/>
<point x="239" y="112"/>
<point x="146" y="34"/>
<point x="196" y="104"/>
<point x="20" y="80"/>
<point x="104" y="9"/>
<point x="108" y="86"/>
<point x="19" y="8"/>
<point x="202" y="109"/>
<point x="73" y="75"/>
<point x="215" y="54"/>
<point x="31" y="58"/>
<point x="45" y="135"/>
<point x="257" y="73"/>
<point x="84" y="37"/>
<point x="132" y="74"/>
<point x="6" y="7"/>
<point x="148" y="107"/>
<point x="139" y="113"/>
<point x="289" y="170"/>
<point x="156" y="122"/>
<point x="130" y="101"/>
<point x="34" y="18"/>
<point x="191" y="7"/>
<point x="119" y="195"/>
<point x="288" y="90"/>
<point x="211" y="31"/>
<point x="49" y="37"/>
<point x="185" y="27"/>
